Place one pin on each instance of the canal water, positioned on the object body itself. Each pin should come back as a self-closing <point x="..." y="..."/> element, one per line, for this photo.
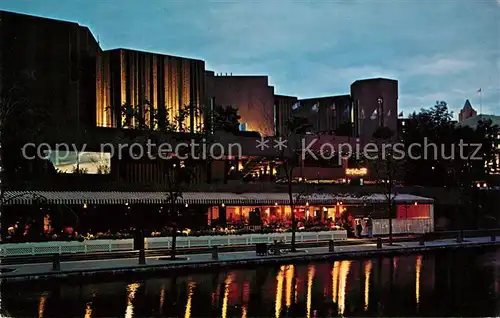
<point x="465" y="283"/>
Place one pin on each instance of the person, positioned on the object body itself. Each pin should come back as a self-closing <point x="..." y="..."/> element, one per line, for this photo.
<point x="369" y="226"/>
<point x="359" y="228"/>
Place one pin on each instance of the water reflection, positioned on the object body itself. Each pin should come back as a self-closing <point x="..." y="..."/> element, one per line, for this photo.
<point x="88" y="310"/>
<point x="310" y="278"/>
<point x="162" y="298"/>
<point x="131" y="290"/>
<point x="418" y="269"/>
<point x="290" y="272"/>
<point x="368" y="272"/>
<point x="227" y="286"/>
<point x="345" y="266"/>
<point x="191" y="286"/>
<point x="279" y="291"/>
<point x="41" y="305"/>
<point x="345" y="288"/>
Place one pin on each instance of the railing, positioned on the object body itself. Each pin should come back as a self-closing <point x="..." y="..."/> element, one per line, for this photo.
<point x="61" y="247"/>
<point x="403" y="226"/>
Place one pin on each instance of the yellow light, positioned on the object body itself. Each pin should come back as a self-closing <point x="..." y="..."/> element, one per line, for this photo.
<point x="356" y="171"/>
<point x="335" y="281"/>
<point x="223" y="205"/>
<point x="41" y="305"/>
<point x="307" y="203"/>
<point x="418" y="268"/>
<point x="288" y="290"/>
<point x="368" y="270"/>
<point x="131" y="289"/>
<point x="88" y="311"/>
<point x="415" y="203"/>
<point x="310" y="278"/>
<point x="344" y="273"/>
<point x="191" y="286"/>
<point x="276" y="203"/>
<point x="279" y="291"/>
<point x="227" y="285"/>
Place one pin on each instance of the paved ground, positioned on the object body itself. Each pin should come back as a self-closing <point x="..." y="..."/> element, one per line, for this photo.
<point x="42" y="270"/>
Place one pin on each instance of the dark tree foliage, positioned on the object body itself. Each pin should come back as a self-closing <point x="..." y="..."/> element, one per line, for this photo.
<point x="226" y="119"/>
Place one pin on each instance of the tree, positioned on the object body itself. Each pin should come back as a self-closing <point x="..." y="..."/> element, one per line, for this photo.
<point x="296" y="127"/>
<point x="431" y="126"/>
<point x="180" y="175"/>
<point x="388" y="169"/>
<point x="226" y="119"/>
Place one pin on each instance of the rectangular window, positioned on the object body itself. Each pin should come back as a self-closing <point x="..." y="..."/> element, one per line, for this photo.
<point x="79" y="162"/>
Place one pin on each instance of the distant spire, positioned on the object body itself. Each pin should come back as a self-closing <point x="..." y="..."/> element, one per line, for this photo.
<point x="467" y="105"/>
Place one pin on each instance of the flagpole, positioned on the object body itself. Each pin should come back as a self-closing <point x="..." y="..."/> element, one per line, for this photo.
<point x="481" y="102"/>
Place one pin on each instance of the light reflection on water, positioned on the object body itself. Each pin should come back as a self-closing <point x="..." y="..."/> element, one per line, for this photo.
<point x="404" y="286"/>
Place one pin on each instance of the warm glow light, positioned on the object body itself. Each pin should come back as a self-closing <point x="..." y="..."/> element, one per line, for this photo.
<point x="289" y="280"/>
<point x="356" y="171"/>
<point x="223" y="205"/>
<point x="335" y="281"/>
<point x="418" y="268"/>
<point x="162" y="298"/>
<point x="131" y="290"/>
<point x="310" y="278"/>
<point x="227" y="285"/>
<point x="415" y="203"/>
<point x="276" y="203"/>
<point x="368" y="271"/>
<point x="85" y="205"/>
<point x="191" y="286"/>
<point x="279" y="290"/>
<point x="186" y="205"/>
<point x="88" y="311"/>
<point x="307" y="203"/>
<point x="41" y="305"/>
<point x="344" y="273"/>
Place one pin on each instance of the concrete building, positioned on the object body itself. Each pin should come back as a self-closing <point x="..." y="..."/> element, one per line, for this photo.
<point x="52" y="64"/>
<point x="252" y="95"/>
<point x="375" y="104"/>
<point x="328" y="115"/>
<point x="282" y="113"/>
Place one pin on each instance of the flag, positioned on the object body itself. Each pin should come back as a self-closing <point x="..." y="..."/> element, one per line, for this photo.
<point x="315" y="107"/>
<point x="347" y="109"/>
<point x="296" y="106"/>
<point x="479" y="90"/>
<point x="389" y="113"/>
<point x="400" y="114"/>
<point x="374" y="115"/>
<point x="362" y="116"/>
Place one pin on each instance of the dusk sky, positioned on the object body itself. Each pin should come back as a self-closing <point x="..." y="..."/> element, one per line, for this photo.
<point x="437" y="49"/>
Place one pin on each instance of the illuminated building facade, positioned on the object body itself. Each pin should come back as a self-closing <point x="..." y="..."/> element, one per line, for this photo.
<point x="151" y="83"/>
<point x="252" y="95"/>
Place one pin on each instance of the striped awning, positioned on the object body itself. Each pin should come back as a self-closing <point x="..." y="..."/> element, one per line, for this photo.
<point x="227" y="198"/>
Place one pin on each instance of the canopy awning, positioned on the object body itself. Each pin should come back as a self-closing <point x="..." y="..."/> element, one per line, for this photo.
<point x="227" y="198"/>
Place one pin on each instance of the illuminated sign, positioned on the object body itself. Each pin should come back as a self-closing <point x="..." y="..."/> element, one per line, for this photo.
<point x="356" y="172"/>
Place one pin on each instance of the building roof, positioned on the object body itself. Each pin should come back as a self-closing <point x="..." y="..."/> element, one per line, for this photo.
<point x="473" y="121"/>
<point x="83" y="197"/>
<point x="467" y="105"/>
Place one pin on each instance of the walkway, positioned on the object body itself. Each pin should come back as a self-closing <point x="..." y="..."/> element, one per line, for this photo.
<point x="130" y="265"/>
